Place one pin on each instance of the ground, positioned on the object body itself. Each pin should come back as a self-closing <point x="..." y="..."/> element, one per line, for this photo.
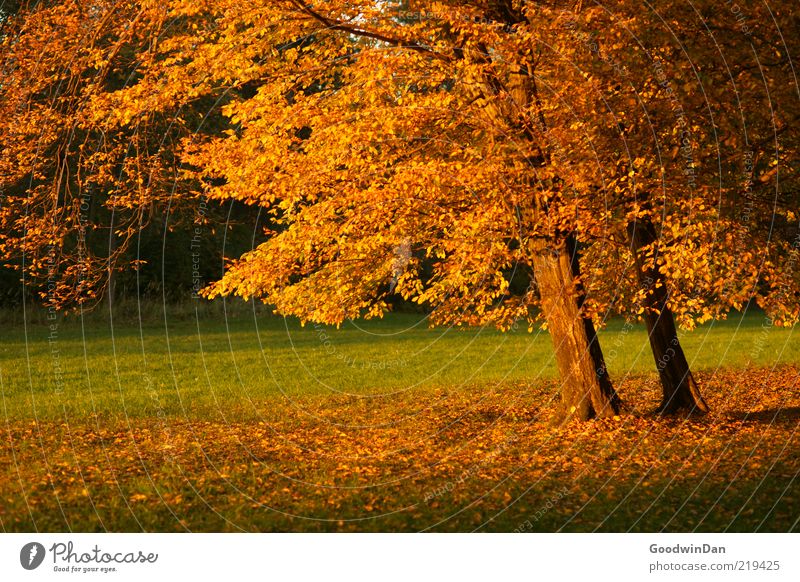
<point x="254" y="423"/>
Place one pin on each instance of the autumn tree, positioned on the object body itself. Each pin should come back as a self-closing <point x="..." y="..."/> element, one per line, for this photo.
<point x="86" y="184"/>
<point x="424" y="130"/>
<point x="697" y="102"/>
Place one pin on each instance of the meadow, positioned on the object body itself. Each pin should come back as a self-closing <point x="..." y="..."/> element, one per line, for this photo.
<point x="233" y="419"/>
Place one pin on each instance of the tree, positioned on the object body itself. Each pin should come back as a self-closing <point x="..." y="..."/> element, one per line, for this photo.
<point x="425" y="131"/>
<point x="700" y="106"/>
<point x="88" y="182"/>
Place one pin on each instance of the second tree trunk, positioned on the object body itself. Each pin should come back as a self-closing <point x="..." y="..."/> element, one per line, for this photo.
<point x="679" y="388"/>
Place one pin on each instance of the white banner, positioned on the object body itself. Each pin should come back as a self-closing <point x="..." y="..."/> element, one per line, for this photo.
<point x="388" y="557"/>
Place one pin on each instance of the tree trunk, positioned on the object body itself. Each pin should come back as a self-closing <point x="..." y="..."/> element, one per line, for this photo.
<point x="679" y="388"/>
<point x="112" y="279"/>
<point x="586" y="389"/>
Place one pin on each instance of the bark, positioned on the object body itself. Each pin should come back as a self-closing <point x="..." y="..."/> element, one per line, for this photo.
<point x="679" y="388"/>
<point x="111" y="290"/>
<point x="586" y="389"/>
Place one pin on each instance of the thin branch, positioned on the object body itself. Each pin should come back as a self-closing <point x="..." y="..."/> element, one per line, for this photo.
<point x="332" y="24"/>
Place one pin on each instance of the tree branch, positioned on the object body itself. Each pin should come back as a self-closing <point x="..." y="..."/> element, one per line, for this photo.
<point x="332" y="24"/>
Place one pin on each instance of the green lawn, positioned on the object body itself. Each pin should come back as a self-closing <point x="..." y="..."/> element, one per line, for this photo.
<point x="257" y="424"/>
<point x="210" y="368"/>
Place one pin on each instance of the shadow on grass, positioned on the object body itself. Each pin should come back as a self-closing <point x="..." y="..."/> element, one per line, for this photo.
<point x="788" y="415"/>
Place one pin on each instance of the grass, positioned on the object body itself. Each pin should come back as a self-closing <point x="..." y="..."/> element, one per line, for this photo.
<point x="254" y="423"/>
<point x="209" y="368"/>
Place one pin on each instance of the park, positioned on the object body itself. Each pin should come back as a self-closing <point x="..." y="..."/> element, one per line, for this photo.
<point x="399" y="266"/>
